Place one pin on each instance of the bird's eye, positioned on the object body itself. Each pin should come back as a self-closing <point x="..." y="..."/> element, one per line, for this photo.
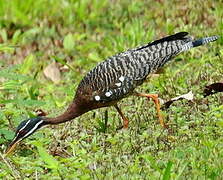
<point x="22" y="132"/>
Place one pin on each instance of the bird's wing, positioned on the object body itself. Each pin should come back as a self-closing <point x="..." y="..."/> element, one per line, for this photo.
<point x="117" y="76"/>
<point x="110" y="80"/>
<point x="115" y="91"/>
<point x="150" y="57"/>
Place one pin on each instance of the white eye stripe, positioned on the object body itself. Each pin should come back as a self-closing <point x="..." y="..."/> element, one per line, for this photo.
<point x="21" y="130"/>
<point x="15" y="137"/>
<point x="33" y="129"/>
<point x="25" y="125"/>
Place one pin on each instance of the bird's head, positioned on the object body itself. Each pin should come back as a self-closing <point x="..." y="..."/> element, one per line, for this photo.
<point x="25" y="129"/>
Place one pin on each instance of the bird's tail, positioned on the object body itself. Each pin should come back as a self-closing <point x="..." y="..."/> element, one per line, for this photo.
<point x="198" y="42"/>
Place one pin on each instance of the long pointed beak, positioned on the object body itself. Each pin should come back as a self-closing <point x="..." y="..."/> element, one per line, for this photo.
<point x="11" y="147"/>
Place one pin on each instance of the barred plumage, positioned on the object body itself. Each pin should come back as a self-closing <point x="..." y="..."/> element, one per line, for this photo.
<point x="117" y="76"/>
<point x="114" y="79"/>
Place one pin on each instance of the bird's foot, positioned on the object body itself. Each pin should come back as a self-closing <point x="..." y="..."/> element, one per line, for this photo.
<point x="155" y="99"/>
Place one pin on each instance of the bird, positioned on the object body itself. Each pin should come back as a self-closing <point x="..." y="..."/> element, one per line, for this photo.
<point x="116" y="78"/>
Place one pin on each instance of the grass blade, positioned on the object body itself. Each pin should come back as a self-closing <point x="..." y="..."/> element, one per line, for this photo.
<point x="167" y="173"/>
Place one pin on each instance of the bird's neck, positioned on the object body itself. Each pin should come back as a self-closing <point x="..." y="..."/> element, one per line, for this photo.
<point x="72" y="112"/>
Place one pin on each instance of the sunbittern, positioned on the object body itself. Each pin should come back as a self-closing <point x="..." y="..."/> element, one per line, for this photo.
<point x="114" y="79"/>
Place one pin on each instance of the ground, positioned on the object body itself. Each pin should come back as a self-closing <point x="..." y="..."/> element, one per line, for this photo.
<point x="48" y="46"/>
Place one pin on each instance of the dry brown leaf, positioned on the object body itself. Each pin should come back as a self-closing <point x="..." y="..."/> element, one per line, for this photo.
<point x="40" y="112"/>
<point x="213" y="88"/>
<point x="52" y="72"/>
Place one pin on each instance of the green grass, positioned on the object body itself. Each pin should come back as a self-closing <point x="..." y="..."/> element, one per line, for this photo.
<point x="78" y="35"/>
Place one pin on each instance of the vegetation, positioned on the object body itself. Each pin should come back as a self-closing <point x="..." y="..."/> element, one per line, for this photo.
<point x="77" y="34"/>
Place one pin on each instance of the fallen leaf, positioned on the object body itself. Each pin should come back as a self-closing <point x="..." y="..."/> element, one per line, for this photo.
<point x="40" y="112"/>
<point x="213" y="88"/>
<point x="52" y="72"/>
<point x="189" y="96"/>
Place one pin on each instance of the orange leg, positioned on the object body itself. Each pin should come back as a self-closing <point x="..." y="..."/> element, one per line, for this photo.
<point x="157" y="103"/>
<point x="125" y="120"/>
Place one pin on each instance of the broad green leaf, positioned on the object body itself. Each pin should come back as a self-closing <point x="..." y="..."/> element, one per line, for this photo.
<point x="11" y="84"/>
<point x="3" y="35"/>
<point x="16" y="35"/>
<point x="93" y="56"/>
<point x="7" y="134"/>
<point x="23" y="102"/>
<point x="4" y="47"/>
<point x="61" y="61"/>
<point x="8" y="74"/>
<point x="68" y="42"/>
<point x="47" y="158"/>
<point x="167" y="172"/>
<point x="27" y="64"/>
